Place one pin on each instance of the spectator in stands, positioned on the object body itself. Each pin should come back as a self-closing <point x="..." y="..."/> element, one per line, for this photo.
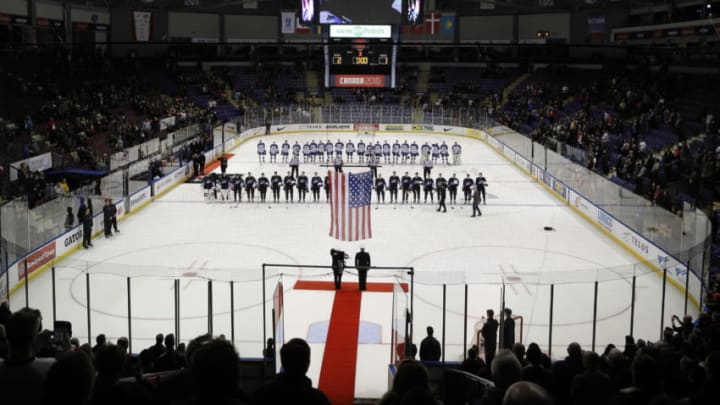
<point x="4" y="346"/>
<point x="537" y="371"/>
<point x="70" y="380"/>
<point x="430" y="347"/>
<point x="170" y="359"/>
<point x="291" y="385"/>
<point x="410" y="375"/>
<point x="647" y="382"/>
<point x="508" y="331"/>
<point x="592" y="386"/>
<point x="100" y="342"/>
<point x="108" y="388"/>
<point x="179" y="387"/>
<point x="527" y="393"/>
<point x="269" y="350"/>
<point x="22" y="375"/>
<point x="215" y="370"/>
<point x="709" y="392"/>
<point x="565" y="370"/>
<point x="157" y="349"/>
<point x="489" y="334"/>
<point x="506" y="371"/>
<point x="474" y="364"/>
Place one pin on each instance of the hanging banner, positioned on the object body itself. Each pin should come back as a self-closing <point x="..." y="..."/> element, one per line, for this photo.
<point x="287" y="20"/>
<point x="142" y="26"/>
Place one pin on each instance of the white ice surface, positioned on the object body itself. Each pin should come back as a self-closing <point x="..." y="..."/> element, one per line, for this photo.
<point x="180" y="235"/>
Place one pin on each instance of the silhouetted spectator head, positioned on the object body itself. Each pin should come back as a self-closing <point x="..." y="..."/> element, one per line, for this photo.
<point x="100" y="339"/>
<point x="410" y="374"/>
<point x="615" y="359"/>
<point x="490" y="312"/>
<point x="519" y="350"/>
<point x="123" y="343"/>
<point x="195" y="344"/>
<point x="109" y="362"/>
<point x="170" y="341"/>
<point x="506" y="369"/>
<point x="508" y="312"/>
<point x="22" y="330"/>
<point x="646" y="373"/>
<point x="473" y="352"/>
<point x="527" y="393"/>
<point x="295" y="357"/>
<point x="215" y="369"/>
<point x="592" y="361"/>
<point x="534" y="354"/>
<point x="430" y="330"/>
<point x="574" y="351"/>
<point x="70" y="379"/>
<point x="159" y="339"/>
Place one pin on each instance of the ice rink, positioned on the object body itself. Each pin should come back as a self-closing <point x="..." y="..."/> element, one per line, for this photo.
<point x="182" y="236"/>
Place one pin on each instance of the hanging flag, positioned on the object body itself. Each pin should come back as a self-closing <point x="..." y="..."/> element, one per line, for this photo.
<point x="288" y="22"/>
<point x="432" y="23"/>
<point x="350" y="205"/>
<point x="447" y="24"/>
<point x="142" y="28"/>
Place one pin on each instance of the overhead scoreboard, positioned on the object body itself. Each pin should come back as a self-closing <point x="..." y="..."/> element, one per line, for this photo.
<point x="360" y="56"/>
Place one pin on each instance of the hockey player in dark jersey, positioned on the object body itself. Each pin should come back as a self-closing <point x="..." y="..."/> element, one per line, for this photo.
<point x="481" y="183"/>
<point x="441" y="190"/>
<point x="289" y="184"/>
<point x="406" y="182"/>
<point x="250" y="184"/>
<point x="208" y="185"/>
<point x="428" y="186"/>
<point x="302" y="186"/>
<point x="316" y="184"/>
<point x="225" y="188"/>
<point x="453" y="184"/>
<point x="238" y="185"/>
<point x="380" y="185"/>
<point x="275" y="184"/>
<point x="467" y="188"/>
<point x="393" y="187"/>
<point x="263" y="184"/>
<point x="417" y="182"/>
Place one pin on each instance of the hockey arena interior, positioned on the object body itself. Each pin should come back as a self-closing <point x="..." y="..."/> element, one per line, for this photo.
<point x="343" y="202"/>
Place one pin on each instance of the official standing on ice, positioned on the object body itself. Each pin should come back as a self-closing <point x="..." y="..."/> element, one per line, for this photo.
<point x="441" y="190"/>
<point x="362" y="264"/>
<point x="476" y="201"/>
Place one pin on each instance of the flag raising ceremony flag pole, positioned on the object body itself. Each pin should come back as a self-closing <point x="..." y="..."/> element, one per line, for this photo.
<point x="350" y="205"/>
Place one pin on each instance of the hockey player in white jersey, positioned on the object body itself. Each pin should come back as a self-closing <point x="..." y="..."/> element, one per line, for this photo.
<point x="456" y="150"/>
<point x="273" y="152"/>
<point x="261" y="151"/>
<point x="349" y="150"/>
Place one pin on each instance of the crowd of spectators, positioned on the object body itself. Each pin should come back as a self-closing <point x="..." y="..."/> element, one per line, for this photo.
<point x="614" y="120"/>
<point x="42" y="366"/>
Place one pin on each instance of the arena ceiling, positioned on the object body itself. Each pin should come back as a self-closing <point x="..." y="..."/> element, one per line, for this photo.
<point x="468" y="6"/>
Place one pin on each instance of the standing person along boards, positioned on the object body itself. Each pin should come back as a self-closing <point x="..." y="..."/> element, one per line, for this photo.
<point x="489" y="334"/>
<point x="362" y="263"/>
<point x="430" y="347"/>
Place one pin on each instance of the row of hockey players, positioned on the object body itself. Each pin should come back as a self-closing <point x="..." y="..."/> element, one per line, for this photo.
<point x="396" y="153"/>
<point x="222" y="187"/>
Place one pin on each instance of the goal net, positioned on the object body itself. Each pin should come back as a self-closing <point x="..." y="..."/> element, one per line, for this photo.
<point x="366" y="129"/>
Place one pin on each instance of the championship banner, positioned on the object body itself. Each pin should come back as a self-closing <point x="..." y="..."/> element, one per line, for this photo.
<point x="287" y="20"/>
<point x="142" y="26"/>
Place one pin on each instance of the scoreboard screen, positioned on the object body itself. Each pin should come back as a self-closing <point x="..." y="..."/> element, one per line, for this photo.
<point x="359" y="52"/>
<point x="355" y="58"/>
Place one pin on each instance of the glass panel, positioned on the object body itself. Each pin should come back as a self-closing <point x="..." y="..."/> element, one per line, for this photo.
<point x="193" y="308"/>
<point x="153" y="309"/>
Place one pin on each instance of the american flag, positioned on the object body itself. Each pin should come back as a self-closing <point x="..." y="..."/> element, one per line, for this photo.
<point x="350" y="205"/>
